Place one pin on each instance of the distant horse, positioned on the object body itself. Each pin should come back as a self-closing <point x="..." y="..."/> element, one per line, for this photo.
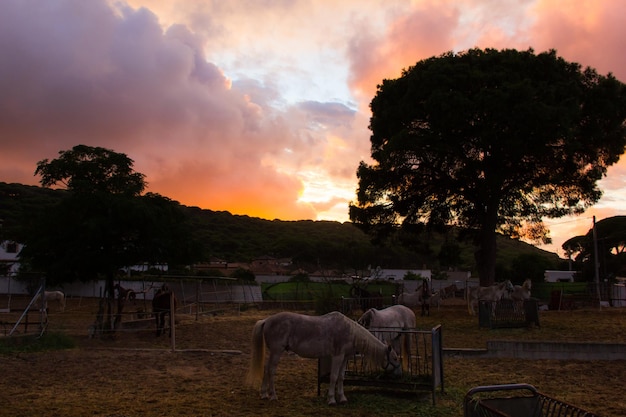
<point x="419" y="298"/>
<point x="331" y="335"/>
<point x="410" y="299"/>
<point x="449" y="291"/>
<point x="386" y="325"/>
<point x="365" y="298"/>
<point x="161" y="307"/>
<point x="492" y="293"/>
<point x="125" y="294"/>
<point x="52" y="296"/>
<point x="521" y="292"/>
<point x="436" y="299"/>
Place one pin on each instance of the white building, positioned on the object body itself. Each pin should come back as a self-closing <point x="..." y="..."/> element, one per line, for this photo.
<point x="398" y="274"/>
<point x="9" y="262"/>
<point x="559" y="276"/>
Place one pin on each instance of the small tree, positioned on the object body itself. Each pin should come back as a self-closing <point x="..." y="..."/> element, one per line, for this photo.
<point x="103" y="223"/>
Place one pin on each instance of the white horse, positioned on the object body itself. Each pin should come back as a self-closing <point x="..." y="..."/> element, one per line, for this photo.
<point x="410" y="299"/>
<point x="52" y="296"/>
<point x="521" y="292"/>
<point x="387" y="325"/>
<point x="331" y="335"/>
<point x="492" y="293"/>
<point x="422" y="297"/>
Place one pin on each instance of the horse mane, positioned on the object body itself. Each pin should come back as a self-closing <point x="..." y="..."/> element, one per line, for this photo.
<point x="366" y="319"/>
<point x="365" y="342"/>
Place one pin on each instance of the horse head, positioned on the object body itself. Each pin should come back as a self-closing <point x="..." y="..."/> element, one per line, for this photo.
<point x="392" y="361"/>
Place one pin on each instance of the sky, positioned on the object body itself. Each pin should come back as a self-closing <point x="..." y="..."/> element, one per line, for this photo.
<point x="259" y="107"/>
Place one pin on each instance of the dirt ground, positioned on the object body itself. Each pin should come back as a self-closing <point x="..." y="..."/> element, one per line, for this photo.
<point x="136" y="374"/>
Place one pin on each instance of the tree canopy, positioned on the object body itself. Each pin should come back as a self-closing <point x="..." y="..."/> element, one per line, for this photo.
<point x="87" y="169"/>
<point x="611" y="244"/>
<point x="103" y="223"/>
<point x="490" y="141"/>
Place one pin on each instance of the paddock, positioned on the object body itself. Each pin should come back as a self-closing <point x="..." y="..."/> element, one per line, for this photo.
<point x="133" y="373"/>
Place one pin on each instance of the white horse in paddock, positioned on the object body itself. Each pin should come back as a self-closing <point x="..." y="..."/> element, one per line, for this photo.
<point x="332" y="335"/>
<point x="387" y="325"/>
<point x="492" y="293"/>
<point x="410" y="299"/>
<point x="52" y="296"/>
<point x="521" y="292"/>
<point x="422" y="297"/>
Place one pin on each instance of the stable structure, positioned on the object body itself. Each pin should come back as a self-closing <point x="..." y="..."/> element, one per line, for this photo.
<point x="424" y="371"/>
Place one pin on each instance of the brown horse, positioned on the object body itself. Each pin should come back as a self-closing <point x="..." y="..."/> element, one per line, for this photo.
<point x="332" y="335"/>
<point x="449" y="291"/>
<point x="124" y="293"/>
<point x="162" y="306"/>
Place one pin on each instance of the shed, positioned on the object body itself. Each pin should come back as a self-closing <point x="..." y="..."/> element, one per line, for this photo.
<point x="559" y="276"/>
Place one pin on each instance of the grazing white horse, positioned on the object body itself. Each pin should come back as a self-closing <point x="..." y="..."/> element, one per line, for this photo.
<point x="387" y="325"/>
<point x="331" y="335"/>
<point x="52" y="296"/>
<point x="492" y="293"/>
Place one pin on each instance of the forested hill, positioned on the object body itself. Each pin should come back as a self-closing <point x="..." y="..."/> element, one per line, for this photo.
<point x="310" y="244"/>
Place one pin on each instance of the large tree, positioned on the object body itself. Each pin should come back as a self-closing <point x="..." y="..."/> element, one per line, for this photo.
<point x="490" y="141"/>
<point x="610" y="240"/>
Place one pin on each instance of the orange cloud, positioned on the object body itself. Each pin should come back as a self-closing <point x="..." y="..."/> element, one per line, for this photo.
<point x="258" y="108"/>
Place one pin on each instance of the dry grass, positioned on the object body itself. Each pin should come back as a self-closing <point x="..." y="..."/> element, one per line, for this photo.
<point x="136" y="374"/>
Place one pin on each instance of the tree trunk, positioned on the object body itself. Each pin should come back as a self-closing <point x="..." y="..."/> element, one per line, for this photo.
<point x="485" y="254"/>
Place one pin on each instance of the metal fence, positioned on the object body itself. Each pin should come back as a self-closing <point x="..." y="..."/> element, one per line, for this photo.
<point x="423" y="373"/>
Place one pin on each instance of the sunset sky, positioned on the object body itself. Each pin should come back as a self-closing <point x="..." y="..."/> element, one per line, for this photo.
<point x="258" y="107"/>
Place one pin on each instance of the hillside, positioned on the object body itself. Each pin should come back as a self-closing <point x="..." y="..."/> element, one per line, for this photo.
<point x="310" y="244"/>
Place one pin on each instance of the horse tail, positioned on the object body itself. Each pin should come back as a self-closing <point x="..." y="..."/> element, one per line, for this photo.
<point x="471" y="293"/>
<point x="257" y="361"/>
<point x="406" y="351"/>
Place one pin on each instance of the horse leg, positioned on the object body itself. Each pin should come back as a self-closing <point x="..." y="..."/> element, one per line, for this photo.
<point x="159" y="322"/>
<point x="267" y="387"/>
<point x="337" y="366"/>
<point x="340" y="377"/>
